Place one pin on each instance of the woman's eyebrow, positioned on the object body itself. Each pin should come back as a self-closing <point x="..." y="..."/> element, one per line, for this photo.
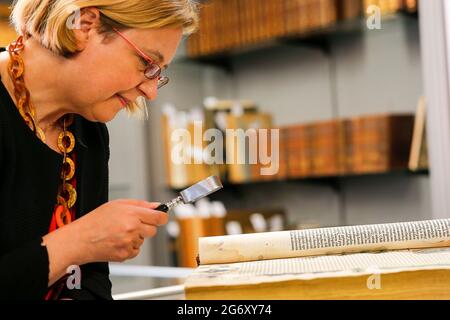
<point x="156" y="54"/>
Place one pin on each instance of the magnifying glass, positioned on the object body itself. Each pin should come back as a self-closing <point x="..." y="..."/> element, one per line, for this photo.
<point x="193" y="193"/>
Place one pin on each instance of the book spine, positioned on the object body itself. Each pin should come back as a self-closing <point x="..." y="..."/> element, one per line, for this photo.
<point x="289" y="11"/>
<point x="375" y="144"/>
<point x="326" y="149"/>
<point x="299" y="151"/>
<point x="349" y="9"/>
<point x="215" y="31"/>
<point x="283" y="155"/>
<point x="191" y="229"/>
<point x="347" y="147"/>
<point x="400" y="137"/>
<point x="235" y="24"/>
<point x="222" y="32"/>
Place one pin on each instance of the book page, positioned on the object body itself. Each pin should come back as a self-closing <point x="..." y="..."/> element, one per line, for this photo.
<point x="308" y="268"/>
<point x="322" y="241"/>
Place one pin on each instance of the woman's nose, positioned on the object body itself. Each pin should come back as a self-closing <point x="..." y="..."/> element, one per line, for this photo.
<point x="150" y="89"/>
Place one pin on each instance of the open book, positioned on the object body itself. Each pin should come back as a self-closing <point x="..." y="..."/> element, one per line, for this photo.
<point x="409" y="260"/>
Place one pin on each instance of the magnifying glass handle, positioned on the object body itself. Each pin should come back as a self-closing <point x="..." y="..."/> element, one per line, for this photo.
<point x="162" y="207"/>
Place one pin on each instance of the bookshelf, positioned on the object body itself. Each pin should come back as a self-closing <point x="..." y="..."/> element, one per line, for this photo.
<point x="320" y="151"/>
<point x="332" y="181"/>
<point x="318" y="38"/>
<point x="322" y="74"/>
<point x="4" y="10"/>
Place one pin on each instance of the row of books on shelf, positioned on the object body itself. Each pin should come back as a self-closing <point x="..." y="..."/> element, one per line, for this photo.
<point x="249" y="148"/>
<point x="360" y="145"/>
<point x="7" y="32"/>
<point x="230" y="24"/>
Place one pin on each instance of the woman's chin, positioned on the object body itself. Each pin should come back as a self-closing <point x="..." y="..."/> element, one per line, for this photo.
<point x="105" y="118"/>
<point x="105" y="113"/>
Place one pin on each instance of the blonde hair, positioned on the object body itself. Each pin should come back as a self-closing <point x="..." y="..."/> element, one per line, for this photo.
<point x="47" y="20"/>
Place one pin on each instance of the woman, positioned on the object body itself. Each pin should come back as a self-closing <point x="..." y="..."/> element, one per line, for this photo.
<point x="75" y="66"/>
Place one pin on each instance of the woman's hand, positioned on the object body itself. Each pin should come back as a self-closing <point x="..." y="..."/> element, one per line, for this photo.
<point x="116" y="230"/>
<point x="112" y="232"/>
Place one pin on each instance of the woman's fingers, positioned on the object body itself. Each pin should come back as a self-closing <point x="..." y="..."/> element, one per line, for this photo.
<point x="147" y="231"/>
<point x="152" y="217"/>
<point x="145" y="211"/>
<point x="137" y="243"/>
<point x="139" y="203"/>
<point x="134" y="252"/>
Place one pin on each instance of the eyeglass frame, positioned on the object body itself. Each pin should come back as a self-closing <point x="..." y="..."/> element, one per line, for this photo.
<point x="162" y="80"/>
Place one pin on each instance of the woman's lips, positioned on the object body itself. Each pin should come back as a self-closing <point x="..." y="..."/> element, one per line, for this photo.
<point x="123" y="101"/>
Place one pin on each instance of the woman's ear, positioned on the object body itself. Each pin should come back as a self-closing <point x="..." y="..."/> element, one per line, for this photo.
<point x="86" y="21"/>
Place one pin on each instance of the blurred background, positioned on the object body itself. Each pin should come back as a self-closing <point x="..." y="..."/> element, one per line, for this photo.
<point x="358" y="90"/>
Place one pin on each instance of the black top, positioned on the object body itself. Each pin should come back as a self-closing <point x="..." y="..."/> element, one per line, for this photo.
<point x="29" y="179"/>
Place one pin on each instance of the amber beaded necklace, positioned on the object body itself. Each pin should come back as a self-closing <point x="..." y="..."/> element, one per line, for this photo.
<point x="67" y="194"/>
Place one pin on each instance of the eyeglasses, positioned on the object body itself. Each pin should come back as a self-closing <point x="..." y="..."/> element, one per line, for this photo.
<point x="153" y="70"/>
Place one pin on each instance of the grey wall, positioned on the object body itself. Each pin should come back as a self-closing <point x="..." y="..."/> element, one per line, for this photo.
<point x="382" y="73"/>
<point x="128" y="171"/>
<point x="378" y="71"/>
<point x="185" y="91"/>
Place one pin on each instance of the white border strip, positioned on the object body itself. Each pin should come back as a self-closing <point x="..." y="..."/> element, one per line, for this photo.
<point x="148" y="271"/>
<point x="159" y="293"/>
